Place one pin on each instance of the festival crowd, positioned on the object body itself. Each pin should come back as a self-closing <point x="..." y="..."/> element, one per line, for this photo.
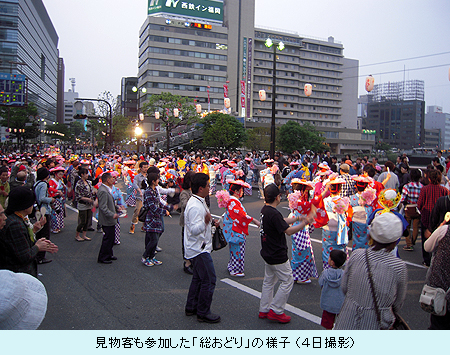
<point x="362" y="208"/>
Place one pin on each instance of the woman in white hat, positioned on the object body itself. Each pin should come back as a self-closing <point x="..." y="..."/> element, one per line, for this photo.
<point x="389" y="277"/>
<point x="235" y="229"/>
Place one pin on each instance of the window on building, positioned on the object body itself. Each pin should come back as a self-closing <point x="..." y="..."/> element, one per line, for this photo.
<point x="42" y="67"/>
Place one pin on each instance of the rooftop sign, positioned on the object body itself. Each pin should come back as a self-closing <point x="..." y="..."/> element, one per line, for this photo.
<point x="208" y="10"/>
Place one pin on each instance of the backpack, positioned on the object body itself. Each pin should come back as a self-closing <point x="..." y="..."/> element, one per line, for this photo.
<point x="37" y="205"/>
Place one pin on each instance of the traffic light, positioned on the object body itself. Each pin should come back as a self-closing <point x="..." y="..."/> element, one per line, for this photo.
<point x="80" y="117"/>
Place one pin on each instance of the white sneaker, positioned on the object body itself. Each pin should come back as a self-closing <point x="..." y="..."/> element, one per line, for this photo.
<point x="237" y="274"/>
<point x="158" y="249"/>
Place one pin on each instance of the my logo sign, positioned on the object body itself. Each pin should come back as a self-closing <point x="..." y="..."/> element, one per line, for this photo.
<point x="172" y="3"/>
<point x="153" y="3"/>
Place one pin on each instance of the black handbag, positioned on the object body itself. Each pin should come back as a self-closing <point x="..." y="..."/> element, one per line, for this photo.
<point x="218" y="239"/>
<point x="143" y="214"/>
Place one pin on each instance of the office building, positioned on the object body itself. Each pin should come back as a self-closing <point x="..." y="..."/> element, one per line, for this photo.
<point x="435" y="118"/>
<point x="208" y="58"/>
<point x="70" y="97"/>
<point x="396" y="111"/>
<point x="29" y="46"/>
<point x="129" y="105"/>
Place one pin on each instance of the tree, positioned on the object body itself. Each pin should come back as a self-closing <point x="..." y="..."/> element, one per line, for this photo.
<point x="76" y="129"/>
<point x="258" y="138"/>
<point x="223" y="131"/>
<point x="165" y="103"/>
<point x="19" y="118"/>
<point x="122" y="128"/>
<point x="292" y="136"/>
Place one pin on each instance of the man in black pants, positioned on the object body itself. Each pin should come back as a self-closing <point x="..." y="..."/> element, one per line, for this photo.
<point x="107" y="217"/>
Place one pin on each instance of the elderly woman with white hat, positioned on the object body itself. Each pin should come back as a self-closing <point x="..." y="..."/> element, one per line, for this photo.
<point x="371" y="301"/>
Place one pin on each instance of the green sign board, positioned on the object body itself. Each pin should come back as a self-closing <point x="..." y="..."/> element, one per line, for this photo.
<point x="211" y="10"/>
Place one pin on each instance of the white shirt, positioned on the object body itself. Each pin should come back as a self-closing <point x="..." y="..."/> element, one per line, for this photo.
<point x="197" y="234"/>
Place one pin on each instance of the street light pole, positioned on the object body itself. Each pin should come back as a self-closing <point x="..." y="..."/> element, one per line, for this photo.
<point x="280" y="45"/>
<point x="274" y="93"/>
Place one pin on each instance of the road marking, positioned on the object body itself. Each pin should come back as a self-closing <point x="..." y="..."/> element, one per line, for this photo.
<point x="348" y="248"/>
<point x="257" y="294"/>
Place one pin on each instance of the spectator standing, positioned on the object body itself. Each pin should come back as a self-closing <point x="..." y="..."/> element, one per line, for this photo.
<point x="107" y="217"/>
<point x="197" y="248"/>
<point x="137" y="185"/>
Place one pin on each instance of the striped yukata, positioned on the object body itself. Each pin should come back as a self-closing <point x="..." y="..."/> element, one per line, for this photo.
<point x="389" y="278"/>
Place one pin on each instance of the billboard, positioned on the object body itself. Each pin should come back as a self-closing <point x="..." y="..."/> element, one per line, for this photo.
<point x="12" y="89"/>
<point x="208" y="10"/>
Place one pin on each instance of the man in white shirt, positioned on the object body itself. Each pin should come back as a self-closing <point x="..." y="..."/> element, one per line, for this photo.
<point x="197" y="248"/>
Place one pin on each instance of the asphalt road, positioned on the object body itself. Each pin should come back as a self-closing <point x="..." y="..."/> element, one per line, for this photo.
<point x="85" y="295"/>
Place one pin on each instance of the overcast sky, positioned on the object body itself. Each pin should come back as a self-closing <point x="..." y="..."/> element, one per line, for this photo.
<point x="98" y="39"/>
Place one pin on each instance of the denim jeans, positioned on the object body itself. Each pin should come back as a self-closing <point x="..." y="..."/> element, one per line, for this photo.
<point x="202" y="285"/>
<point x="151" y="241"/>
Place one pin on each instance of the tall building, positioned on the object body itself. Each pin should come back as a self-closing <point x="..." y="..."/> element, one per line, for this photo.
<point x="129" y="105"/>
<point x="436" y="119"/>
<point x="396" y="111"/>
<point x="70" y="97"/>
<point x="29" y="46"/>
<point x="222" y="55"/>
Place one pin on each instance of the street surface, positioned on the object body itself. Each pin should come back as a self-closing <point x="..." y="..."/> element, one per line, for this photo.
<point x="126" y="295"/>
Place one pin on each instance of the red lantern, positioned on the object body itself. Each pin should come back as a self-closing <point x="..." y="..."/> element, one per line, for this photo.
<point x="227" y="102"/>
<point x="308" y="89"/>
<point x="198" y="107"/>
<point x="370" y="81"/>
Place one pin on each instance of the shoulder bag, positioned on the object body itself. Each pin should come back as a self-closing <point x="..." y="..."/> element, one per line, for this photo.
<point x="218" y="239"/>
<point x="399" y="323"/>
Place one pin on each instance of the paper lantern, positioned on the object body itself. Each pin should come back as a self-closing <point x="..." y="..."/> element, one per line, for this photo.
<point x="227" y="102"/>
<point x="175" y="112"/>
<point x="157" y="115"/>
<point x="308" y="89"/>
<point x="198" y="107"/>
<point x="262" y="95"/>
<point x="370" y="81"/>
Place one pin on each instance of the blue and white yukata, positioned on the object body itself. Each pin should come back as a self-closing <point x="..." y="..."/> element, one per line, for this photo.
<point x="303" y="264"/>
<point x="360" y="223"/>
<point x="335" y="233"/>
<point x="131" y="192"/>
<point x="248" y="179"/>
<point x="118" y="201"/>
<point x="236" y="240"/>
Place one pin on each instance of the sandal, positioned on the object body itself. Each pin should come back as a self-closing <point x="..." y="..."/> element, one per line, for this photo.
<point x="79" y="239"/>
<point x="87" y="238"/>
<point x="408" y="248"/>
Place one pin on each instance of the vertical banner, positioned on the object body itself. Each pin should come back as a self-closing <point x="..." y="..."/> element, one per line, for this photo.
<point x="225" y="91"/>
<point x="249" y="77"/>
<point x="244" y="59"/>
<point x="243" y="98"/>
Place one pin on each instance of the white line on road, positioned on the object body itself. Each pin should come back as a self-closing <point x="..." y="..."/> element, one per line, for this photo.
<point x="348" y="248"/>
<point x="76" y="211"/>
<point x="290" y="308"/>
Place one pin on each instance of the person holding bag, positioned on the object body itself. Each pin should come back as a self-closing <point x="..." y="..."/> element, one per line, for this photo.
<point x="438" y="275"/>
<point x="374" y="284"/>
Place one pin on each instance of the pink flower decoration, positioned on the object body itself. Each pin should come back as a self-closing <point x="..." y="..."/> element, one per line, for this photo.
<point x="293" y="199"/>
<point x="341" y="205"/>
<point x="367" y="197"/>
<point x="222" y="198"/>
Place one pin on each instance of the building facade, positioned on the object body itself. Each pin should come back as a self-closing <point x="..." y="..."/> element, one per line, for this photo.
<point x="435" y="118"/>
<point x="208" y="60"/>
<point x="29" y="46"/>
<point x="396" y="111"/>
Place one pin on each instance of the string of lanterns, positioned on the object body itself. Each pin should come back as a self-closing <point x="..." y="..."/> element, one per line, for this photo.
<point x="52" y="132"/>
<point x="15" y="130"/>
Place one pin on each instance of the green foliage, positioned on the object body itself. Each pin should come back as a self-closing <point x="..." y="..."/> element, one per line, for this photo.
<point x="19" y="118"/>
<point x="76" y="129"/>
<point x="223" y="131"/>
<point x="122" y="127"/>
<point x="258" y="138"/>
<point x="383" y="146"/>
<point x="292" y="136"/>
<point x="165" y="103"/>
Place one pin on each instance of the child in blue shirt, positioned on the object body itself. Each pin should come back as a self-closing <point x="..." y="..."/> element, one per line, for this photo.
<point x="332" y="297"/>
